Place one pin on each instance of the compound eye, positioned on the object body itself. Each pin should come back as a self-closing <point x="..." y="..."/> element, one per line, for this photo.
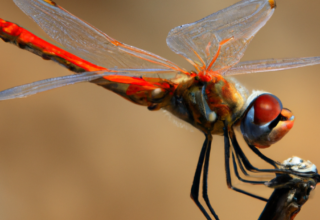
<point x="266" y="108"/>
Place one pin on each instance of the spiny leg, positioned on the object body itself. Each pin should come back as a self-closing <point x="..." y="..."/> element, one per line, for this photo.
<point x="196" y="180"/>
<point x="235" y="167"/>
<point x="243" y="162"/>
<point x="242" y="159"/>
<point x="227" y="167"/>
<point x="257" y="152"/>
<point x="205" y="177"/>
<point x="243" y="170"/>
<point x="263" y="157"/>
<point x="251" y="168"/>
<point x="241" y="166"/>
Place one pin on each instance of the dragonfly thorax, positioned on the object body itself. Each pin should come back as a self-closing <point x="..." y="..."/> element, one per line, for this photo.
<point x="208" y="104"/>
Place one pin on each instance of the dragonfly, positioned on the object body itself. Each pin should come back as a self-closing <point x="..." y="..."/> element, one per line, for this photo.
<point x="206" y="98"/>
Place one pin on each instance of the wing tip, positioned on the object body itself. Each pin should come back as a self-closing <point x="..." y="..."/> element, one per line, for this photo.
<point x="50" y="2"/>
<point x="272" y="4"/>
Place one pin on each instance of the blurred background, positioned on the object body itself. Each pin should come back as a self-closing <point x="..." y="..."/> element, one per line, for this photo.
<point x="82" y="152"/>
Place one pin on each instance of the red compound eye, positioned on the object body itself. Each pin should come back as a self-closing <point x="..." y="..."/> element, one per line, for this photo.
<point x="266" y="109"/>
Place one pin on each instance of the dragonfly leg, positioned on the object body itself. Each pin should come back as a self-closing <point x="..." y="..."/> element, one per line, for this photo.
<point x="205" y="177"/>
<point x="241" y="166"/>
<point x="258" y="153"/>
<point x="196" y="180"/>
<point x="251" y="168"/>
<point x="263" y="157"/>
<point x="244" y="160"/>
<point x="227" y="167"/>
<point x="235" y="167"/>
<point x="243" y="170"/>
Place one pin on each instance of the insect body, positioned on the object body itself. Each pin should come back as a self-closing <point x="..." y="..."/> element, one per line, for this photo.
<point x="205" y="98"/>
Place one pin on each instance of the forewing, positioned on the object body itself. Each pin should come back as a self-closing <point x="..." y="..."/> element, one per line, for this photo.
<point x="198" y="42"/>
<point x="257" y="66"/>
<point x="86" y="41"/>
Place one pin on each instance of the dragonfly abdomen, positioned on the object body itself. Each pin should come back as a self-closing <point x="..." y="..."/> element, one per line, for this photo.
<point x="21" y="37"/>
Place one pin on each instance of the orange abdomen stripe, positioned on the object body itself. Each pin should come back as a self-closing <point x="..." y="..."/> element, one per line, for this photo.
<point x="19" y="36"/>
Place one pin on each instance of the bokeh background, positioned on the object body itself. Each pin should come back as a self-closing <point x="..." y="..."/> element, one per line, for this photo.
<point x="81" y="152"/>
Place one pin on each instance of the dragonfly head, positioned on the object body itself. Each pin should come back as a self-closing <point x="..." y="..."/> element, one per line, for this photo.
<point x="265" y="120"/>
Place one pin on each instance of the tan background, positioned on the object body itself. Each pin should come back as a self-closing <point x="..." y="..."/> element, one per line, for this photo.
<point x="81" y="152"/>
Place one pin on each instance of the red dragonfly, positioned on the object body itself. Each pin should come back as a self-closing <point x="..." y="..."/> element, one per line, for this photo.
<point x="205" y="98"/>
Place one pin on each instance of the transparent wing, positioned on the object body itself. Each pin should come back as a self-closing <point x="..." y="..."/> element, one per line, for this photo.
<point x="47" y="84"/>
<point x="87" y="42"/>
<point x="52" y="83"/>
<point x="199" y="42"/>
<point x="257" y="66"/>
